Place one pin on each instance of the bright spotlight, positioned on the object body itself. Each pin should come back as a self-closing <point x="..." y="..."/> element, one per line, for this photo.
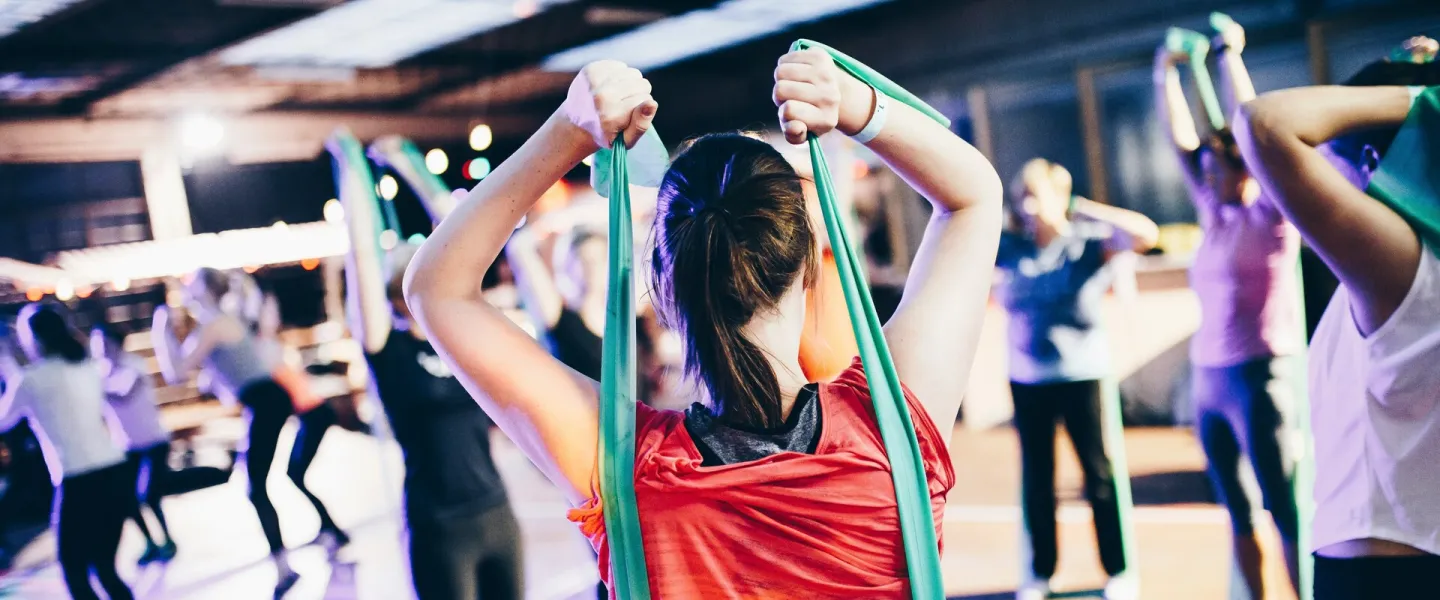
<point x="388" y="239"/>
<point x="201" y="133"/>
<point x="481" y="137"/>
<point x="389" y="187"/>
<point x="437" y="161"/>
<point x="120" y="284"/>
<point x="64" y="290"/>
<point x="334" y="211"/>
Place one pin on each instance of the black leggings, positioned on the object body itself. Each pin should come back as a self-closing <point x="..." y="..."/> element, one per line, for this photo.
<point x="1238" y="411"/>
<point x="151" y="468"/>
<point x="90" y="514"/>
<point x="270" y="406"/>
<point x="1375" y="577"/>
<point x="465" y="558"/>
<point x="1037" y="408"/>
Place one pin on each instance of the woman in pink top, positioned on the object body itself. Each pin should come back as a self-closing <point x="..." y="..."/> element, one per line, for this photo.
<point x="735" y="252"/>
<point x="1245" y="276"/>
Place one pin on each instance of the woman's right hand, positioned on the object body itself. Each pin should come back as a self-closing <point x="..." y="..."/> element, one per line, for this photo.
<point x="608" y="98"/>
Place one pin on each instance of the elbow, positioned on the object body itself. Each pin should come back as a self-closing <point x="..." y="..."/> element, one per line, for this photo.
<point x="1259" y="126"/>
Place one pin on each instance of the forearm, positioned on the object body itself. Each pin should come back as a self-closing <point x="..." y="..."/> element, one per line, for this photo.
<point x="940" y="165"/>
<point x="166" y="354"/>
<point x="1314" y="115"/>
<point x="1142" y="231"/>
<point x="446" y="266"/>
<point x="365" y="300"/>
<point x="533" y="279"/>
<point x="1173" y="108"/>
<point x="1235" y="84"/>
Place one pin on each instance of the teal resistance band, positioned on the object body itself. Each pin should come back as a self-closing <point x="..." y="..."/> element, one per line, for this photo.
<point x="351" y="163"/>
<point x="617" y="391"/>
<point x="1197" y="46"/>
<point x="912" y="491"/>
<point x="409" y="163"/>
<point x="1408" y="179"/>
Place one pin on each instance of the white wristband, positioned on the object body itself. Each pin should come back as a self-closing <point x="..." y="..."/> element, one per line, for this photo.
<point x="877" y="119"/>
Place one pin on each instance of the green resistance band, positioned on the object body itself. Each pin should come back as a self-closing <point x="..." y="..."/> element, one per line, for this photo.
<point x="617" y="391"/>
<point x="1408" y="179"/>
<point x="1197" y="46"/>
<point x="1114" y="432"/>
<point x="409" y="163"/>
<point x="912" y="491"/>
<point x="350" y="164"/>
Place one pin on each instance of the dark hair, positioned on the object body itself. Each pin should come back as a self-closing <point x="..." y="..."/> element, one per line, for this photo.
<point x="213" y="280"/>
<point x="1353" y="146"/>
<point x="54" y="334"/>
<point x="1221" y="143"/>
<point x="732" y="235"/>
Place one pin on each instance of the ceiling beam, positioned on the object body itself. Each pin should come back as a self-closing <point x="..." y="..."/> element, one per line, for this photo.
<point x="258" y="137"/>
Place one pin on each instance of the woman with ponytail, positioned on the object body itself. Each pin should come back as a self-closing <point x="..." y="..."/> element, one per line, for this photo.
<point x="768" y="486"/>
<point x="226" y="345"/>
<point x="62" y="392"/>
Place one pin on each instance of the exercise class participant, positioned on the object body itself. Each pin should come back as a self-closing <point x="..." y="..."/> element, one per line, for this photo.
<point x="766" y="470"/>
<point x="1055" y="259"/>
<point x="464" y="538"/>
<point x="1245" y="277"/>
<point x="569" y="304"/>
<point x="61" y="392"/>
<point x="1374" y="382"/>
<point x="132" y="406"/>
<point x="224" y="345"/>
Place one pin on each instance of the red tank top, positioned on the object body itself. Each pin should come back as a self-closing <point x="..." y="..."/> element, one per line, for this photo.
<point x="789" y="525"/>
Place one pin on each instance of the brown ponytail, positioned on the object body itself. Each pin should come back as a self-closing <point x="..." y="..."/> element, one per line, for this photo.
<point x="732" y="237"/>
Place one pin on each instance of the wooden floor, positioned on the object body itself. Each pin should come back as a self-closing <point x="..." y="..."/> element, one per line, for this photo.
<point x="1182" y="538"/>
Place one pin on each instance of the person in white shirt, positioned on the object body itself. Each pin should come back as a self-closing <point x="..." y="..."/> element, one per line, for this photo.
<point x="1374" y="381"/>
<point x="61" y="393"/>
<point x="133" y="409"/>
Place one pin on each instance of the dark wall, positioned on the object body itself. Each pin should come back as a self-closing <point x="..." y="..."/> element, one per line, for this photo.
<point x="224" y="196"/>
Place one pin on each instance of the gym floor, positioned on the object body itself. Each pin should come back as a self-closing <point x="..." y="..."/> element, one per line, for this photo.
<point x="1183" y="538"/>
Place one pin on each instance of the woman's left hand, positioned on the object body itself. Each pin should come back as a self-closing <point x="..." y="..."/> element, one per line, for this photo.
<point x="815" y="96"/>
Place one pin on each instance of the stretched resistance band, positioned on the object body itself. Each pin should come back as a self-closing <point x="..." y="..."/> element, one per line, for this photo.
<point x="617" y="388"/>
<point x="352" y="168"/>
<point x="409" y="164"/>
<point x="912" y="491"/>
<point x="1197" y="47"/>
<point x="1408" y="179"/>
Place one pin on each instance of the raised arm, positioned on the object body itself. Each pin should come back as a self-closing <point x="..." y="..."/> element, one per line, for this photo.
<point x="547" y="409"/>
<point x="1174" y="112"/>
<point x="1372" y="249"/>
<point x="533" y="278"/>
<point x="401" y="155"/>
<point x="934" y="332"/>
<point x="366" y="307"/>
<point x="178" y="361"/>
<point x="1236" y="88"/>
<point x="12" y="374"/>
<point x="1137" y="230"/>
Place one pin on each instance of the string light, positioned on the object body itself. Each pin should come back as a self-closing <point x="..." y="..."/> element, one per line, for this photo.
<point x="481" y="137"/>
<point x="477" y="169"/>
<point x="437" y="161"/>
<point x="34" y="294"/>
<point x="64" y="290"/>
<point x="310" y="264"/>
<point x="389" y="187"/>
<point x="120" y="284"/>
<point x="334" y="211"/>
<point x="388" y="239"/>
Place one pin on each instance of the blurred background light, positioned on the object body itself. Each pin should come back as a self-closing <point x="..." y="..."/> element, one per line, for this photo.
<point x="437" y="161"/>
<point x="481" y="137"/>
<point x="388" y="187"/>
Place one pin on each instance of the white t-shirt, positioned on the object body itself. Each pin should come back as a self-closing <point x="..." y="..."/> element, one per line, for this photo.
<point x="131" y="400"/>
<point x="65" y="403"/>
<point x="1375" y="410"/>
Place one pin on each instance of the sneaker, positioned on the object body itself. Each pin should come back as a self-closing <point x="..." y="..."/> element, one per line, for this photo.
<point x="152" y="554"/>
<point x="168" y="551"/>
<point x="287" y="580"/>
<point x="332" y="539"/>
<point x="1033" y="589"/>
<point x="1123" y="586"/>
